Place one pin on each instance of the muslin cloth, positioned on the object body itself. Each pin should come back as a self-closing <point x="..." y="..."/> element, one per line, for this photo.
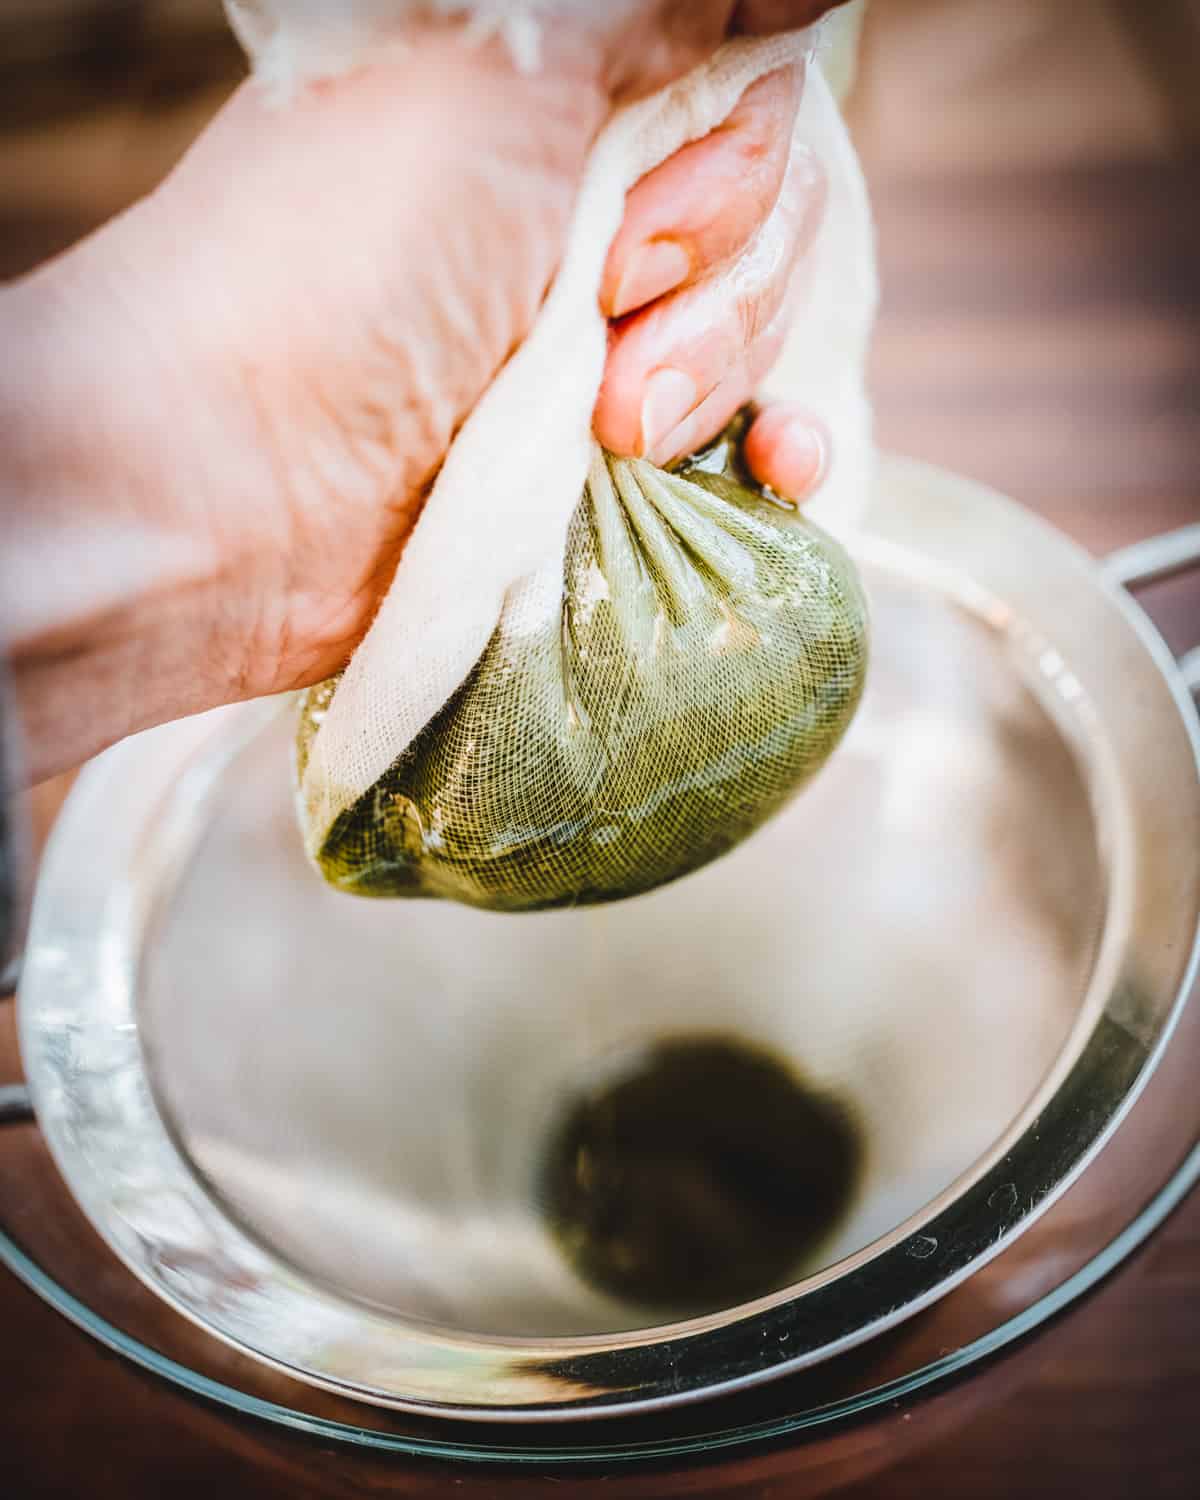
<point x="419" y="651"/>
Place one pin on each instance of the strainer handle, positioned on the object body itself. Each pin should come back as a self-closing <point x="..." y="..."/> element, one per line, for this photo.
<point x="1159" y="557"/>
<point x="15" y="1102"/>
<point x="16" y="1105"/>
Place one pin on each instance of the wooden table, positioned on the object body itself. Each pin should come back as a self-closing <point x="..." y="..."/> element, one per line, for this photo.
<point x="1041" y="331"/>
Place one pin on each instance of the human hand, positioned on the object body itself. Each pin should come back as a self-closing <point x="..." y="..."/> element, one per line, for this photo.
<point x="702" y="281"/>
<point x="270" y="356"/>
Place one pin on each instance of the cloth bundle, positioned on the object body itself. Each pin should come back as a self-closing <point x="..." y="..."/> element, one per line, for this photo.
<point x="637" y="666"/>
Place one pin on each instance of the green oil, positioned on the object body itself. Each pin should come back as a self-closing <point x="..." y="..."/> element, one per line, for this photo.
<point x="701" y="1172"/>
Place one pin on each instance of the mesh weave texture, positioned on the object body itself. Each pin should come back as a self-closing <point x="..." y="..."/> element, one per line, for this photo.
<point x="695" y="657"/>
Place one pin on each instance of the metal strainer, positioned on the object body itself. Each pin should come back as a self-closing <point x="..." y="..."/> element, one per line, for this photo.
<point x="315" y="1125"/>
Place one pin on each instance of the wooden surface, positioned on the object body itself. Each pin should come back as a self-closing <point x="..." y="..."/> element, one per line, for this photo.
<point x="1037" y="186"/>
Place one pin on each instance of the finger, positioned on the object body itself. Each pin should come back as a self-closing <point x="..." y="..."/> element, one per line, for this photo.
<point x="787" y="449"/>
<point x="731" y="393"/>
<point x="705" y="204"/>
<point x="665" y="362"/>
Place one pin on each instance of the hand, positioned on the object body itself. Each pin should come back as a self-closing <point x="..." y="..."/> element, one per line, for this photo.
<point x="701" y="282"/>
<point x="223" y="412"/>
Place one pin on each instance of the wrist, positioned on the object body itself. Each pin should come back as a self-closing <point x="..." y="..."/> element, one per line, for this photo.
<point x="105" y="579"/>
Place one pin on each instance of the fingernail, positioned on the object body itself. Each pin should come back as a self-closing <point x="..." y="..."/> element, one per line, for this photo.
<point x="650" y="271"/>
<point x="798" y="460"/>
<point x="669" y="396"/>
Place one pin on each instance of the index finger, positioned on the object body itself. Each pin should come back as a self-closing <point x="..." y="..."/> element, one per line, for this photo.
<point x="705" y="204"/>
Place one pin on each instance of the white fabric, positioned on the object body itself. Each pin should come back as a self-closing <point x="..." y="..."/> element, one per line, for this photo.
<point x="823" y="363"/>
<point x="497" y="518"/>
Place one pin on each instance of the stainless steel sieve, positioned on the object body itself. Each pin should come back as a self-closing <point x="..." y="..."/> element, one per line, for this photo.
<point x="312" y="1124"/>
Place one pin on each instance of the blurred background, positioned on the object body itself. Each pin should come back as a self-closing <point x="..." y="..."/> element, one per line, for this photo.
<point x="1035" y="169"/>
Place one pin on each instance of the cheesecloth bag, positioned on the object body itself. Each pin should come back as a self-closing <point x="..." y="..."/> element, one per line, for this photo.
<point x="591" y="676"/>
